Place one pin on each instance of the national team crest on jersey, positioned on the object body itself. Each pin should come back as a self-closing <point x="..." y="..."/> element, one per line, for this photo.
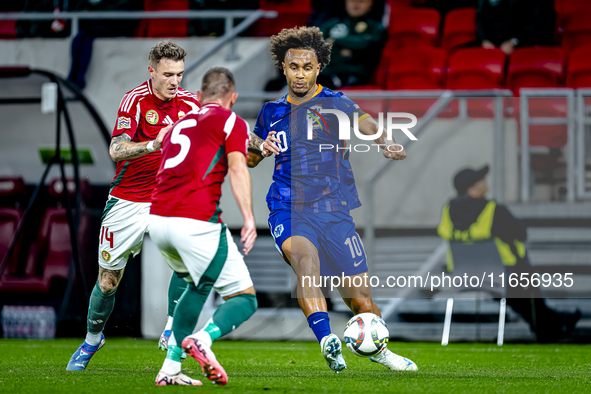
<point x="152" y="116"/>
<point x="314" y="117"/>
<point x="106" y="255"/>
<point x="123" y="123"/>
<point x="278" y="231"/>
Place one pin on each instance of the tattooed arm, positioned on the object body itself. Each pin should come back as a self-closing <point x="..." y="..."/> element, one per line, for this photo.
<point x="123" y="149"/>
<point x="254" y="155"/>
<point x="255" y="142"/>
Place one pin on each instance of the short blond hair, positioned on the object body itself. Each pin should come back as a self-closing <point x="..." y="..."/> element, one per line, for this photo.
<point x="166" y="50"/>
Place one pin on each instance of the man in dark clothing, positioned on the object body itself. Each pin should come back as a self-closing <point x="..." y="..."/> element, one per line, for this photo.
<point x="506" y="24"/>
<point x="357" y="42"/>
<point x="471" y="218"/>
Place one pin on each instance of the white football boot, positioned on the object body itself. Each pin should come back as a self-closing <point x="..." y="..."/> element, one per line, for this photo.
<point x="331" y="350"/>
<point x="180" y="379"/>
<point x="394" y="362"/>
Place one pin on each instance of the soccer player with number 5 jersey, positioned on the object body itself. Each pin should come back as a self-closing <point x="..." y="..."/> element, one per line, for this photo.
<point x="146" y="114"/>
<point x="186" y="225"/>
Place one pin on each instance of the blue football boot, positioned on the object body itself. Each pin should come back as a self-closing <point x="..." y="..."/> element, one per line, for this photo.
<point x="80" y="359"/>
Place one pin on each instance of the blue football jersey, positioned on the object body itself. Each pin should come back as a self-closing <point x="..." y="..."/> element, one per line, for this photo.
<point x="309" y="176"/>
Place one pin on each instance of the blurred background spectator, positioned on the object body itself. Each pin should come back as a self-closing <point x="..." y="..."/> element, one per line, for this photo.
<point x="323" y="10"/>
<point x="506" y="24"/>
<point x="357" y="41"/>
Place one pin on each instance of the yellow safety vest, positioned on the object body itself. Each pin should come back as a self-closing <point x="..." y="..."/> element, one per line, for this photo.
<point x="478" y="231"/>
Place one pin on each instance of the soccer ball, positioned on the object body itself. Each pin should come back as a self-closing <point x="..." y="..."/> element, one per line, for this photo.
<point x="366" y="335"/>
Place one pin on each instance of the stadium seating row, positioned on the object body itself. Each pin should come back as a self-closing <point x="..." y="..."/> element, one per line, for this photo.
<point x="421" y="26"/>
<point x="50" y="253"/>
<point x="425" y="67"/>
<point x="407" y="26"/>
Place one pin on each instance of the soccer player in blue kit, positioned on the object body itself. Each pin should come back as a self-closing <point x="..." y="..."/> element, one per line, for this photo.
<point x="313" y="188"/>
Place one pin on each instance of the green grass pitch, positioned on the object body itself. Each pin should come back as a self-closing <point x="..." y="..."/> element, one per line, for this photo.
<point x="130" y="366"/>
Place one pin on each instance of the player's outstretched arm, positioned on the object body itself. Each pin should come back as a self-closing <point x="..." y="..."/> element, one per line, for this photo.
<point x="122" y="148"/>
<point x="392" y="151"/>
<point x="242" y="190"/>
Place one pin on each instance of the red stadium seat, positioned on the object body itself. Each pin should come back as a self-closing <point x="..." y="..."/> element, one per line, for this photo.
<point x="399" y="3"/>
<point x="292" y="13"/>
<point x="476" y="68"/>
<point x="563" y="18"/>
<point x="50" y="253"/>
<point x="12" y="192"/>
<point x="416" y="68"/>
<point x="7" y="29"/>
<point x="535" y="67"/>
<point x="459" y="28"/>
<point x="9" y="220"/>
<point x="567" y="6"/>
<point x="579" y="68"/>
<point x="49" y="256"/>
<point x="414" y="26"/>
<point x="56" y="188"/>
<point x="413" y="68"/>
<point x="164" y="27"/>
<point x="577" y="29"/>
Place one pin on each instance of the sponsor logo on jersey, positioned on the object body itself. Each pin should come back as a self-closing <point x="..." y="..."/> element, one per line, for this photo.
<point x="278" y="231"/>
<point x="123" y="123"/>
<point x="106" y="255"/>
<point x="168" y="120"/>
<point x="152" y="116"/>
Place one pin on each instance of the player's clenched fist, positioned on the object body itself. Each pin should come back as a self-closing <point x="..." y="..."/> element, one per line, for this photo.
<point x="394" y="151"/>
<point x="160" y="137"/>
<point x="269" y="146"/>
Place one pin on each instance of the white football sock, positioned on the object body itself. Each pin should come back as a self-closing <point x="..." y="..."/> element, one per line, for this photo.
<point x="171" y="367"/>
<point x="93" y="339"/>
<point x="203" y="337"/>
<point x="168" y="323"/>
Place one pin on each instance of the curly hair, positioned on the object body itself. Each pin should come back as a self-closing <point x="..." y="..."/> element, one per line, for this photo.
<point x="166" y="50"/>
<point x="308" y="38"/>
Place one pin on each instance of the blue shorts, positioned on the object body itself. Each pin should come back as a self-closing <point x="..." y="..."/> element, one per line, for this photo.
<point x="333" y="233"/>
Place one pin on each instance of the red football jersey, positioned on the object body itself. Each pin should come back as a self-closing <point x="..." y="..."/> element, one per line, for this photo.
<point x="194" y="163"/>
<point x="141" y="116"/>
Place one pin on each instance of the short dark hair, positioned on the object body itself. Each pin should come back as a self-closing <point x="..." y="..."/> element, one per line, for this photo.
<point x="166" y="50"/>
<point x="217" y="82"/>
<point x="307" y="38"/>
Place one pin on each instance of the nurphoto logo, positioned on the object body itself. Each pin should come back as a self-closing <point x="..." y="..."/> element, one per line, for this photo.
<point x="316" y="120"/>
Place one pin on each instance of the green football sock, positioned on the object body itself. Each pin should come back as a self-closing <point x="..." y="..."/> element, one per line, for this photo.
<point x="176" y="288"/>
<point x="99" y="309"/>
<point x="174" y="353"/>
<point x="187" y="311"/>
<point x="190" y="304"/>
<point x="231" y="314"/>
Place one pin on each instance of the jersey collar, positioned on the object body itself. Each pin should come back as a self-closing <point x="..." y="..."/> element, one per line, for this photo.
<point x="159" y="102"/>
<point x="295" y="102"/>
